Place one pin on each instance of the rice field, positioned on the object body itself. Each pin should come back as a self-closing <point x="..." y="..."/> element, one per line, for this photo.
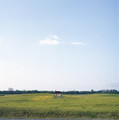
<point x="68" y="106"/>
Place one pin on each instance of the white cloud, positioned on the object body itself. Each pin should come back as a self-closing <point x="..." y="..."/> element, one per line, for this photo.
<point x="55" y="40"/>
<point x="51" y="40"/>
<point x="78" y="43"/>
<point x="54" y="37"/>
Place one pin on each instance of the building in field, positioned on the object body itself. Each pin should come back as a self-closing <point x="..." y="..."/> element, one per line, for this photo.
<point x="58" y="93"/>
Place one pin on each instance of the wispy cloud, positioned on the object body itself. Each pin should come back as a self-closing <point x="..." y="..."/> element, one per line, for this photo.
<point x="78" y="43"/>
<point x="50" y="40"/>
<point x="54" y="37"/>
<point x="56" y="40"/>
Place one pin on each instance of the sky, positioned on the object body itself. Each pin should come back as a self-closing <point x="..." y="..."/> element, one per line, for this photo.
<point x="59" y="44"/>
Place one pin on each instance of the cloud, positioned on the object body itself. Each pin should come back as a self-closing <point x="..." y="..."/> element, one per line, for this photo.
<point x="54" y="37"/>
<point x="55" y="40"/>
<point x="51" y="40"/>
<point x="78" y="43"/>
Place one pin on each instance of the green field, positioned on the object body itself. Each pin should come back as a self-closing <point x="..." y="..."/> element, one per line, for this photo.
<point x="68" y="106"/>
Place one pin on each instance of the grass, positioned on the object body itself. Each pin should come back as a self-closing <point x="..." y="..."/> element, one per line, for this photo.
<point x="68" y="106"/>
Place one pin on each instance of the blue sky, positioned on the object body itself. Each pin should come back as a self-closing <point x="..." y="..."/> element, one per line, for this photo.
<point x="59" y="44"/>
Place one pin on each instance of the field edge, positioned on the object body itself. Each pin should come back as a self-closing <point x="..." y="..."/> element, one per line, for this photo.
<point x="10" y="112"/>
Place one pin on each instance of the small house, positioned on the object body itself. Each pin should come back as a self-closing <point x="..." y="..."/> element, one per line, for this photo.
<point x="58" y="93"/>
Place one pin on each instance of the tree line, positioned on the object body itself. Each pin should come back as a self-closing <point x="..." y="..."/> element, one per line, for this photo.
<point x="12" y="91"/>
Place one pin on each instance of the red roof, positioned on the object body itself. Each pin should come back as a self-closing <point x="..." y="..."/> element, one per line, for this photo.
<point x="57" y="92"/>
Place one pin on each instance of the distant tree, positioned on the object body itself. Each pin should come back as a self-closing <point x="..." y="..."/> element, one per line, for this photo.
<point x="10" y="89"/>
<point x="92" y="91"/>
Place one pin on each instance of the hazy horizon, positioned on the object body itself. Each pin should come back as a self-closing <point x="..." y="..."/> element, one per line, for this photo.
<point x="59" y="44"/>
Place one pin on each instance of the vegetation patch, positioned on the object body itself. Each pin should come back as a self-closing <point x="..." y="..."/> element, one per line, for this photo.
<point x="67" y="106"/>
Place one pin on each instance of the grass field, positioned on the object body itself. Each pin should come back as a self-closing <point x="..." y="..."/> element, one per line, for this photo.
<point x="68" y="106"/>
